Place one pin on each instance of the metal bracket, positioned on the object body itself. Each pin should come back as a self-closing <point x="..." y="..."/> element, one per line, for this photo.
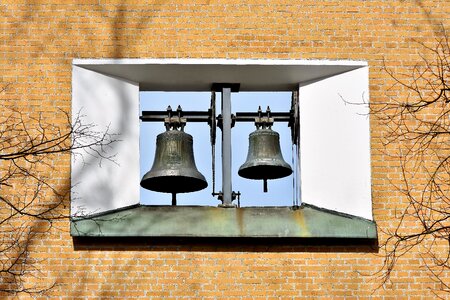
<point x="219" y="86"/>
<point x="264" y="121"/>
<point x="212" y="119"/>
<point x="220" y="121"/>
<point x="234" y="196"/>
<point x="175" y="121"/>
<point x="294" y="120"/>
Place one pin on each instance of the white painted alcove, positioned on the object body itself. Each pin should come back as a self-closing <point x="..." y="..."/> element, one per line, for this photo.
<point x="334" y="137"/>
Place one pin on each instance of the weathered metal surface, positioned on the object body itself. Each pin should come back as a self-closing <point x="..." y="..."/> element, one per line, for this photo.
<point x="253" y="222"/>
<point x="174" y="169"/>
<point x="264" y="158"/>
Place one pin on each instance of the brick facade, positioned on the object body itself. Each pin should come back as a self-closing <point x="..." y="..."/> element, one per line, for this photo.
<point x="38" y="41"/>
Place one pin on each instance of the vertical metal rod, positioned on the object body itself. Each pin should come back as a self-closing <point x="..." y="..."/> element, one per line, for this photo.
<point x="174" y="199"/>
<point x="298" y="175"/>
<point x="226" y="148"/>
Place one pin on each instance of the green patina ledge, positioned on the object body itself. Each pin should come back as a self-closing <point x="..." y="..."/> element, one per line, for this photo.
<point x="306" y="221"/>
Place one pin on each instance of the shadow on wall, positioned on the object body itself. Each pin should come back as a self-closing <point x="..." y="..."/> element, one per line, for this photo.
<point x="323" y="245"/>
<point x="96" y="170"/>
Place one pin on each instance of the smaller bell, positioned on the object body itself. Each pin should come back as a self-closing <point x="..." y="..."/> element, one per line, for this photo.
<point x="264" y="159"/>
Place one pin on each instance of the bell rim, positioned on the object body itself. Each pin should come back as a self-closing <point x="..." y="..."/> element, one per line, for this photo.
<point x="190" y="184"/>
<point x="263" y="170"/>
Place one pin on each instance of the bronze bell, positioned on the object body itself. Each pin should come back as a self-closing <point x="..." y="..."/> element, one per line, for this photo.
<point x="174" y="169"/>
<point x="264" y="159"/>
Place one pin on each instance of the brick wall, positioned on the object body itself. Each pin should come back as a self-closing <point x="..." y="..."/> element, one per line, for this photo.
<point x="38" y="41"/>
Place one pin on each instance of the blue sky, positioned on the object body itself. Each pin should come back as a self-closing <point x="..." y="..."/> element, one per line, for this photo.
<point x="280" y="190"/>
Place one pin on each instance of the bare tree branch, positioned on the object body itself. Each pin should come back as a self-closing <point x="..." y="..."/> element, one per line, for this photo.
<point x="417" y="119"/>
<point x="30" y="199"/>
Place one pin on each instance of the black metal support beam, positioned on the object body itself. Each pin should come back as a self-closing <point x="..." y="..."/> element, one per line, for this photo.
<point x="219" y="86"/>
<point x="204" y="116"/>
<point x="251" y="116"/>
<point x="161" y="115"/>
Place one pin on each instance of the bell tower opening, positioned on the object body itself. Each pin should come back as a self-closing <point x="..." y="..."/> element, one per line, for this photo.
<point x="280" y="191"/>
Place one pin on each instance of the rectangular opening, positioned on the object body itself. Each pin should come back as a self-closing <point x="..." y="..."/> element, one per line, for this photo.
<point x="280" y="191"/>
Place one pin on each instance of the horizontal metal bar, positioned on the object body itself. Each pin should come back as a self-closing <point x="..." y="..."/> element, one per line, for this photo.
<point x="272" y="114"/>
<point x="250" y="116"/>
<point x="161" y="119"/>
<point x="190" y="116"/>
<point x="174" y="113"/>
<point x="204" y="116"/>
<point x="252" y="119"/>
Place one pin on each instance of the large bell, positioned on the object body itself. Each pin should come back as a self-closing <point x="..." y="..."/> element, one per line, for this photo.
<point x="174" y="169"/>
<point x="264" y="158"/>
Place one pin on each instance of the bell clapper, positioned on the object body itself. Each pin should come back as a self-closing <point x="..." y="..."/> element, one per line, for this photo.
<point x="265" y="185"/>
